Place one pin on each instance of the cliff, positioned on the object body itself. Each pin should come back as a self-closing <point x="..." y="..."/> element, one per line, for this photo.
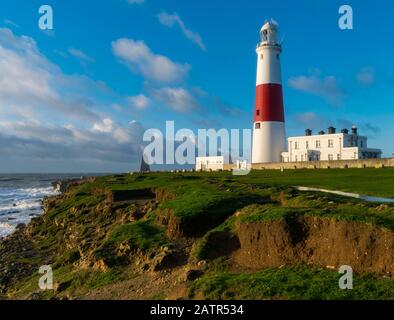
<point x="199" y="235"/>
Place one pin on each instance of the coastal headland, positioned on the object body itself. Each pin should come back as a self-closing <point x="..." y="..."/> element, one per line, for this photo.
<point x="208" y="236"/>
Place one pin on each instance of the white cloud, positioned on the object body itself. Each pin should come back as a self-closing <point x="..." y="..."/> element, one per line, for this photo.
<point x="178" y="99"/>
<point x="35" y="92"/>
<point x="30" y="83"/>
<point x="139" y="102"/>
<point x="105" y="141"/>
<point x="11" y="23"/>
<point x="170" y="20"/>
<point x="326" y="87"/>
<point x="80" y="55"/>
<point x="119" y="133"/>
<point x="366" y="76"/>
<point x="138" y="56"/>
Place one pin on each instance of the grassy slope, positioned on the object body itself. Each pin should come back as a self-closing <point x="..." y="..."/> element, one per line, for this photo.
<point x="197" y="194"/>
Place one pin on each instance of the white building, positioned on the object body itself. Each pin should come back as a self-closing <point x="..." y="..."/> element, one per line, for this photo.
<point x="210" y="163"/>
<point x="331" y="146"/>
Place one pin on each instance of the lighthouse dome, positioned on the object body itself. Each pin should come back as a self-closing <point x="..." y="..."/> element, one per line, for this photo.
<point x="269" y="33"/>
<point x="270" y="24"/>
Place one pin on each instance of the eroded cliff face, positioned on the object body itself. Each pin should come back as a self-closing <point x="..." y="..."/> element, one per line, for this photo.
<point x="315" y="240"/>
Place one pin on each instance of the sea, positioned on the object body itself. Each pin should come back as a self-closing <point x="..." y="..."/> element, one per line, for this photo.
<point x="21" y="197"/>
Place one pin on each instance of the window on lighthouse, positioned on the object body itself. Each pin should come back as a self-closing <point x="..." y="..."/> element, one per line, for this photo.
<point x="258" y="126"/>
<point x="264" y="36"/>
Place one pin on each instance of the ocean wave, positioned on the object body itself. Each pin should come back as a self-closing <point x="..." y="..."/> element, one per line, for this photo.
<point x="9" y="179"/>
<point x="6" y="229"/>
<point x="19" y="204"/>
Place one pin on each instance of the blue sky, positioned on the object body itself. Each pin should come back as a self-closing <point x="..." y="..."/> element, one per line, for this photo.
<point x="78" y="98"/>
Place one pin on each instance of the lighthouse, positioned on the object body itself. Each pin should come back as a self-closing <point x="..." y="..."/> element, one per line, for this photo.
<point x="269" y="119"/>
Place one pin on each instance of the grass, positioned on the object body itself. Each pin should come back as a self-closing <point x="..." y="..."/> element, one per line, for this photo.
<point x="82" y="219"/>
<point x="72" y="281"/>
<point x="207" y="199"/>
<point x="300" y="282"/>
<point x="368" y="181"/>
<point x="140" y="235"/>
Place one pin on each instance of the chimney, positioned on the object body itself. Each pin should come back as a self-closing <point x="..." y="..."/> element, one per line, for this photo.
<point x="321" y="132"/>
<point x="354" y="130"/>
<point x="331" y="130"/>
<point x="345" y="131"/>
<point x="308" y="132"/>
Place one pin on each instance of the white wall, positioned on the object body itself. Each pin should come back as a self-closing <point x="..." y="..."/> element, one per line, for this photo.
<point x="326" y="147"/>
<point x="268" y="142"/>
<point x="210" y="163"/>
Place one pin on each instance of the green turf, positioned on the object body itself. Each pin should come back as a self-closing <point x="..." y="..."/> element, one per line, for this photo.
<point x="290" y="283"/>
<point x="368" y="181"/>
<point x="140" y="235"/>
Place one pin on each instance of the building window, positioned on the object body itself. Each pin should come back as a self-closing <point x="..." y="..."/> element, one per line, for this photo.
<point x="362" y="144"/>
<point x="296" y="145"/>
<point x="258" y="112"/>
<point x="317" y="143"/>
<point x="307" y="145"/>
<point x="330" y="157"/>
<point x="296" y="158"/>
<point x="331" y="143"/>
<point x="338" y="156"/>
<point x="258" y="126"/>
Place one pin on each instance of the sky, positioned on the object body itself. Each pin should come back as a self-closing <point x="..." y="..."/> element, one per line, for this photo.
<point x="78" y="98"/>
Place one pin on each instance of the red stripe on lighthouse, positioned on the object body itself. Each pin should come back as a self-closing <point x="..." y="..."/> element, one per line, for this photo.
<point x="269" y="103"/>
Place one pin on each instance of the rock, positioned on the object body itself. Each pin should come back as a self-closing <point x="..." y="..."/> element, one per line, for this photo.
<point x="193" y="274"/>
<point x="202" y="263"/>
<point x="62" y="186"/>
<point x="165" y="259"/>
<point x="20" y="226"/>
<point x="59" y="287"/>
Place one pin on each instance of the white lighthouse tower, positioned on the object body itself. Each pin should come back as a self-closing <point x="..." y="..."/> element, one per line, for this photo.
<point x="269" y="120"/>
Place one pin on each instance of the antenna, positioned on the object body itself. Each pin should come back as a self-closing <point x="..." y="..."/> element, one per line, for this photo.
<point x="283" y="39"/>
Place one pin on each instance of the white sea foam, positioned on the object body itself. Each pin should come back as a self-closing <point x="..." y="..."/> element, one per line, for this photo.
<point x="6" y="229"/>
<point x="20" y="205"/>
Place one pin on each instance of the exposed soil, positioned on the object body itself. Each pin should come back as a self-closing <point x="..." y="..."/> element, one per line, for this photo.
<point x="313" y="240"/>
